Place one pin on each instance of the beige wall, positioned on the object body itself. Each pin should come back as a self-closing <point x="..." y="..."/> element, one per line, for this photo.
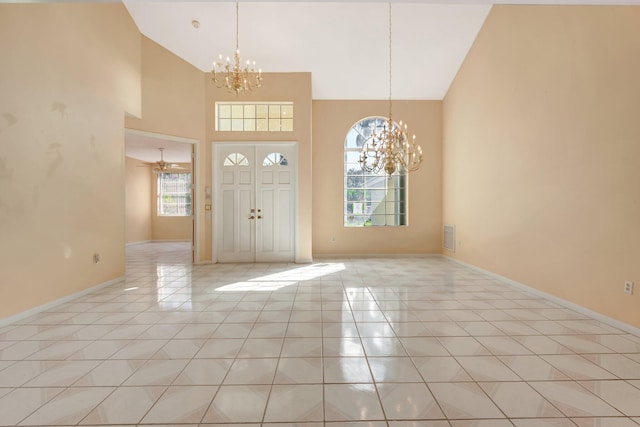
<point x="69" y="73"/>
<point x="294" y="87"/>
<point x="172" y="228"/>
<point x="331" y="122"/>
<point x="173" y="103"/>
<point x="541" y="149"/>
<point x="138" y="205"/>
<point x="172" y="94"/>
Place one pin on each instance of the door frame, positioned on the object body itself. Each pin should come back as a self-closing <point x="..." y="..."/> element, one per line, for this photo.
<point x="196" y="184"/>
<point x="216" y="225"/>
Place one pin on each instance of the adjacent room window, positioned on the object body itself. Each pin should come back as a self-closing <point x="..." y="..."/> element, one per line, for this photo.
<point x="174" y="194"/>
<point x="371" y="199"/>
<point x="254" y="117"/>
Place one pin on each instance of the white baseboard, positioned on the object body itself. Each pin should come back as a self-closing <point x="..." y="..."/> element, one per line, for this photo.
<point x="35" y="310"/>
<point x="359" y="256"/>
<point x="568" y="304"/>
<point x="142" y="242"/>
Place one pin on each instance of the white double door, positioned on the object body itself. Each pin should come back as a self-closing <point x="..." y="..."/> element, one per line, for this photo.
<point x="255" y="202"/>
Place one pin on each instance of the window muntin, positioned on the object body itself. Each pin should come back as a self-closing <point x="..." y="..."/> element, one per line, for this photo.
<point x="236" y="159"/>
<point x="254" y="117"/>
<point x="371" y="199"/>
<point x="174" y="194"/>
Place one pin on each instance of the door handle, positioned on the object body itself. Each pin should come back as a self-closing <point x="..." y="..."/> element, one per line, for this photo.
<point x="252" y="217"/>
<point x="259" y="216"/>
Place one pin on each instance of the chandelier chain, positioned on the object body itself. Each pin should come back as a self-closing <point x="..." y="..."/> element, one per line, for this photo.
<point x="237" y="25"/>
<point x="388" y="148"/>
<point x="390" y="61"/>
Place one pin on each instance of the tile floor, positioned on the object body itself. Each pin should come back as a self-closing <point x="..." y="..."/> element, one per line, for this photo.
<point x="406" y="342"/>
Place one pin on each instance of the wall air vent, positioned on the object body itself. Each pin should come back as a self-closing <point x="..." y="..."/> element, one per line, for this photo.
<point x="449" y="238"/>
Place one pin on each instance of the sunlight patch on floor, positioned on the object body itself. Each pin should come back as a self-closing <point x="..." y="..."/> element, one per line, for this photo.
<point x="275" y="281"/>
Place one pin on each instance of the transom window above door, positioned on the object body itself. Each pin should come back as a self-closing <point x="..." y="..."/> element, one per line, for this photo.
<point x="254" y="117"/>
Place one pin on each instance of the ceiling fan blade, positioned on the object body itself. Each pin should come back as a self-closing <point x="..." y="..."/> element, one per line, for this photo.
<point x="176" y="166"/>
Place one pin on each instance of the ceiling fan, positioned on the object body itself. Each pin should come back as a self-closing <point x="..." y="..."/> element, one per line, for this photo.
<point x="161" y="165"/>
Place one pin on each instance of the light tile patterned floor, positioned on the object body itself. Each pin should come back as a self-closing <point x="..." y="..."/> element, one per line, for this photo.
<point x="380" y="342"/>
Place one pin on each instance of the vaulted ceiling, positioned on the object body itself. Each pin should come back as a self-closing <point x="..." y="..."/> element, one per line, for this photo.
<point x="344" y="44"/>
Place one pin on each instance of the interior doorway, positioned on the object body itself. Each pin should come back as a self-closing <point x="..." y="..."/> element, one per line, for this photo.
<point x="153" y="213"/>
<point x="255" y="194"/>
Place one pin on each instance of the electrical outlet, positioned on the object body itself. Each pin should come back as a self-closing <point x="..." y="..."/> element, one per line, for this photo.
<point x="96" y="258"/>
<point x="628" y="287"/>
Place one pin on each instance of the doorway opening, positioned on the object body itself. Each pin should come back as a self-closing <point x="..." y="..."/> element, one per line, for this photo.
<point x="159" y="187"/>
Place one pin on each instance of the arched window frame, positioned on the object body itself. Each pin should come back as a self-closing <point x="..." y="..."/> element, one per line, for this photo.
<point x="371" y="199"/>
<point x="275" y="159"/>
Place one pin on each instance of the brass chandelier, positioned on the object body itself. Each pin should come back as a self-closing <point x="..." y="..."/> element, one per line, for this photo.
<point x="233" y="75"/>
<point x="390" y="149"/>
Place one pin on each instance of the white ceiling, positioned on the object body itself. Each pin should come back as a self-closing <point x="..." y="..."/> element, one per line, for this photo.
<point x="343" y="44"/>
<point x="145" y="146"/>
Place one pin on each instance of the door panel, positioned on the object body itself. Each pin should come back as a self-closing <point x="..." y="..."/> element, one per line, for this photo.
<point x="285" y="220"/>
<point x="245" y="223"/>
<point x="236" y="228"/>
<point x="275" y="231"/>
<point x="229" y="220"/>
<point x="265" y="225"/>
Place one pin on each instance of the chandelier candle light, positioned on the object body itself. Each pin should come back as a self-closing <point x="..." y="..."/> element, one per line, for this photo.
<point x="390" y="149"/>
<point x="233" y="76"/>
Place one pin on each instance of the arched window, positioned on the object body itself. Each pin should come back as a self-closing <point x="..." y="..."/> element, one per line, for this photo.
<point x="371" y="199"/>
<point x="275" y="159"/>
<point x="234" y="159"/>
